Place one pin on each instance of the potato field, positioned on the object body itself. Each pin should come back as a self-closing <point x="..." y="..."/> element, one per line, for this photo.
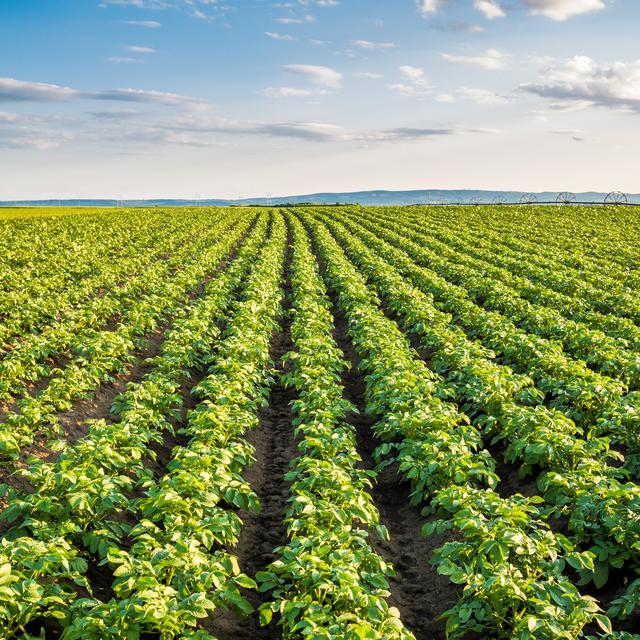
<point x="320" y="423"/>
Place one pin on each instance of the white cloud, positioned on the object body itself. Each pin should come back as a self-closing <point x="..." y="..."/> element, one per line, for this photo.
<point x="563" y="9"/>
<point x="203" y="9"/>
<point x="138" y="49"/>
<point x="141" y="4"/>
<point x="207" y="131"/>
<point x="12" y="90"/>
<point x="116" y="115"/>
<point x="27" y="138"/>
<point x="367" y="75"/>
<point x="327" y="132"/>
<point x="30" y="132"/>
<point x="139" y="132"/>
<point x="481" y="96"/>
<point x="367" y="44"/>
<point x="197" y="128"/>
<point x="149" y="24"/>
<point x="140" y="95"/>
<point x="415" y="82"/>
<point x="553" y="9"/>
<point x="123" y="60"/>
<point x="580" y="82"/>
<point x="287" y="92"/>
<point x="474" y="95"/>
<point x="568" y="132"/>
<point x="427" y="7"/>
<point x="458" y="26"/>
<point x="306" y="3"/>
<point x="289" y="20"/>
<point x="403" y="89"/>
<point x="316" y="74"/>
<point x="319" y="131"/>
<point x="490" y="9"/>
<point x="411" y="73"/>
<point x="280" y="36"/>
<point x="492" y="59"/>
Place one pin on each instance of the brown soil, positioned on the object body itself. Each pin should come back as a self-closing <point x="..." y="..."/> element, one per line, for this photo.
<point x="508" y="472"/>
<point x="61" y="360"/>
<point x="510" y="481"/>
<point x="164" y="450"/>
<point x="99" y="292"/>
<point x="73" y="423"/>
<point x="262" y="533"/>
<point x="619" y="580"/>
<point x="417" y="590"/>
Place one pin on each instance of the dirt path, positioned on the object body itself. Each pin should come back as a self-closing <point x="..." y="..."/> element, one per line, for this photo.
<point x="417" y="590"/>
<point x="261" y="533"/>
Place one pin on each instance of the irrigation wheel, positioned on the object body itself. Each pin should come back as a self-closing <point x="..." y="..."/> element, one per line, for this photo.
<point x="616" y="198"/>
<point x="566" y="197"/>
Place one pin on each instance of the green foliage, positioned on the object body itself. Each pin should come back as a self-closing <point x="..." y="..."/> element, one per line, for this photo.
<point x="478" y="327"/>
<point x="436" y="449"/>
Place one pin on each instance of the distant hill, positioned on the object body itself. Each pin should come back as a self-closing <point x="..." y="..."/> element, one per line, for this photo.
<point x="378" y="197"/>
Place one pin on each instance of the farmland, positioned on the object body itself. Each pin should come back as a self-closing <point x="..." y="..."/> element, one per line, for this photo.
<point x="320" y="423"/>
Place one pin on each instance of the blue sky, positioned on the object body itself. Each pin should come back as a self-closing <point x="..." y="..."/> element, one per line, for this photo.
<point x="185" y="98"/>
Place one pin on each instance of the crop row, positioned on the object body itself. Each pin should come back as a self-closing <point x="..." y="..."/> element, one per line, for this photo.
<point x="107" y="353"/>
<point x="177" y="570"/>
<point x="591" y="399"/>
<point x="586" y="289"/>
<point x="55" y="268"/>
<point x="508" y="562"/>
<point x="601" y="352"/>
<point x="33" y="356"/>
<point x="576" y="480"/>
<point x="327" y="582"/>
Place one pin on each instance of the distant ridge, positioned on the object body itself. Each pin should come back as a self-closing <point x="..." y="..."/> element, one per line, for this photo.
<point x="375" y="197"/>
